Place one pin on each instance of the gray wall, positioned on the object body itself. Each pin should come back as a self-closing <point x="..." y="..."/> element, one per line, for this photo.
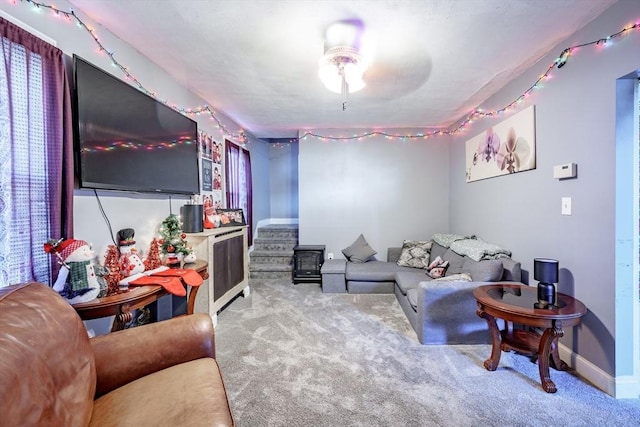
<point x="388" y="190"/>
<point x="575" y="122"/>
<point x="260" y="181"/>
<point x="283" y="160"/>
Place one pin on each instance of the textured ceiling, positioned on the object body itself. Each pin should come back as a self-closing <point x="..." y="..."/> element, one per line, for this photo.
<point x="257" y="60"/>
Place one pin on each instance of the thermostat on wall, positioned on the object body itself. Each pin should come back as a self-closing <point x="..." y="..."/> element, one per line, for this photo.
<point x="568" y="170"/>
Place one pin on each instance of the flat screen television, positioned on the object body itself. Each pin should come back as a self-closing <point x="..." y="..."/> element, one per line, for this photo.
<point x="127" y="140"/>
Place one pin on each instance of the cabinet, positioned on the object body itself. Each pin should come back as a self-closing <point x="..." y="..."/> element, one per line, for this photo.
<point x="226" y="251"/>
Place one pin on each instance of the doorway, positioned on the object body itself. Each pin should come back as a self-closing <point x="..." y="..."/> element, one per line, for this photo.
<point x="627" y="235"/>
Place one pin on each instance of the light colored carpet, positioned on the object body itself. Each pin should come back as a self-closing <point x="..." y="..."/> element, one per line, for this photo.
<point x="293" y="356"/>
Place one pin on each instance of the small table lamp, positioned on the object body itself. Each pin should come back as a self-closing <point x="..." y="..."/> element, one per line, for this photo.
<point x="545" y="270"/>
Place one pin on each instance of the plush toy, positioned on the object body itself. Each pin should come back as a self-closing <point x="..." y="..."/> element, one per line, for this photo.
<point x="130" y="261"/>
<point x="77" y="281"/>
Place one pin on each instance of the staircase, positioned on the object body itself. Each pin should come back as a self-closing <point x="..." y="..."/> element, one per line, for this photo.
<point x="272" y="255"/>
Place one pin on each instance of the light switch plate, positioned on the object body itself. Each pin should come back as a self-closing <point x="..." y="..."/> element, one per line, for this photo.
<point x="330" y="255"/>
<point x="566" y="206"/>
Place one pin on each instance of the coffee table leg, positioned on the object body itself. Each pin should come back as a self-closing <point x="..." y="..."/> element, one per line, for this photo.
<point x="549" y="336"/>
<point x="491" y="364"/>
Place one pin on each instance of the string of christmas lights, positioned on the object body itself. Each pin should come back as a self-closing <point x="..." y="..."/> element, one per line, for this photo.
<point x="557" y="63"/>
<point x="137" y="146"/>
<point x="71" y="16"/>
<point x="476" y="113"/>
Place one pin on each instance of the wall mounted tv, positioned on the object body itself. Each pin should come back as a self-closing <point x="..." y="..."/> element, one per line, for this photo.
<point x="127" y="140"/>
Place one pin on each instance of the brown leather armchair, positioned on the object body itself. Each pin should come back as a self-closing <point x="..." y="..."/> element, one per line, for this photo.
<point x="52" y="374"/>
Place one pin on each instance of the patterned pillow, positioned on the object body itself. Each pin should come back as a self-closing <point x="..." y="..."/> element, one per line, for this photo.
<point x="415" y="254"/>
<point x="437" y="268"/>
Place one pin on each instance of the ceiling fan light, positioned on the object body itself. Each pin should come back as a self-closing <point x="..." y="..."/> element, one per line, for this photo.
<point x="341" y="60"/>
<point x="353" y="75"/>
<point x="330" y="77"/>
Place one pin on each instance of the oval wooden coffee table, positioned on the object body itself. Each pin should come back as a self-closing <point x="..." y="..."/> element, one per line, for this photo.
<point x="514" y="303"/>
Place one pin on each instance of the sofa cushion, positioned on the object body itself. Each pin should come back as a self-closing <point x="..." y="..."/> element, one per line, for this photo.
<point x="374" y="271"/>
<point x="455" y="262"/>
<point x="410" y="279"/>
<point x="415" y="254"/>
<point x="359" y="251"/>
<point x="489" y="270"/>
<point x="437" y="250"/>
<point x="198" y="382"/>
<point x="393" y="254"/>
<point x="437" y="268"/>
<point x="512" y="270"/>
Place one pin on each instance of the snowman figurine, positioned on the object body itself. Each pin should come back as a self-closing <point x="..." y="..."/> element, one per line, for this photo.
<point x="77" y="281"/>
<point x="130" y="261"/>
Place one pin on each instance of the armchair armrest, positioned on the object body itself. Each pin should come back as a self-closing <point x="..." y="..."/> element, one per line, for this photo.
<point x="124" y="356"/>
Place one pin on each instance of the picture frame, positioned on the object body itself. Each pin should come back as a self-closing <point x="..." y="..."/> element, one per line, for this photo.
<point x="231" y="217"/>
<point x="503" y="149"/>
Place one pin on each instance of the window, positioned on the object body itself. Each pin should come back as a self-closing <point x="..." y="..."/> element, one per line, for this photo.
<point x="36" y="169"/>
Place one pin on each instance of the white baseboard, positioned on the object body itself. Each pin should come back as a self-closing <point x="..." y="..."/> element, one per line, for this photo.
<point x="627" y="387"/>
<point x="269" y="221"/>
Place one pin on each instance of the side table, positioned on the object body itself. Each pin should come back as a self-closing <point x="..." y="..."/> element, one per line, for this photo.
<point x="514" y="302"/>
<point x="122" y="305"/>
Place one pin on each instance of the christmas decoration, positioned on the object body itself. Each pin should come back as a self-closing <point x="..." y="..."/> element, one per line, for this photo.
<point x="153" y="260"/>
<point x="112" y="263"/>
<point x="77" y="281"/>
<point x="172" y="239"/>
<point x="130" y="262"/>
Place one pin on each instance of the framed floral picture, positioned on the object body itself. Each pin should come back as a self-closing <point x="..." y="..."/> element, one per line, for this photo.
<point x="506" y="148"/>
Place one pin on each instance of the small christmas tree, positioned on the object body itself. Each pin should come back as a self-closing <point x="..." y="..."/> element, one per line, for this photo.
<point x="172" y="239"/>
<point x="112" y="262"/>
<point x="153" y="260"/>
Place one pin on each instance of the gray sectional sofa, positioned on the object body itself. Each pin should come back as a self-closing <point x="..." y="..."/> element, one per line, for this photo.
<point x="441" y="311"/>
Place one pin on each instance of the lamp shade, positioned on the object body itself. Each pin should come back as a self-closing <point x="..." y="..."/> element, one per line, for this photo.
<point x="545" y="270"/>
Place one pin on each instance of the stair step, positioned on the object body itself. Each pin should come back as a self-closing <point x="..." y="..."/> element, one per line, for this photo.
<point x="278" y="231"/>
<point x="270" y="259"/>
<point x="272" y="275"/>
<point x="274" y="246"/>
<point x="270" y="267"/>
<point x="261" y="252"/>
<point x="272" y="254"/>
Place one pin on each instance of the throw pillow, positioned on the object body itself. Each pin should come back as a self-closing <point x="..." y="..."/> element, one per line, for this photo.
<point x="362" y="254"/>
<point x="349" y="250"/>
<point x="437" y="268"/>
<point x="358" y="251"/>
<point x="414" y="254"/>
